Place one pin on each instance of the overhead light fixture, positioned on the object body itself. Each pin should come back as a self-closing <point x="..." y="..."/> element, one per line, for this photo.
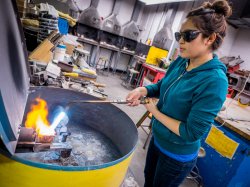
<point x="153" y="2"/>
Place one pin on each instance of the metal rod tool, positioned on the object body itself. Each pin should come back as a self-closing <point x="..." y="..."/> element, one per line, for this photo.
<point x="143" y="100"/>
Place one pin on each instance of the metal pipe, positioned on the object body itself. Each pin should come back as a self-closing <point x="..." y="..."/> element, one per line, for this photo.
<point x="136" y="11"/>
<point x="163" y="14"/>
<point x="152" y="22"/>
<point x="143" y="100"/>
<point x="94" y="3"/>
<point x="112" y="10"/>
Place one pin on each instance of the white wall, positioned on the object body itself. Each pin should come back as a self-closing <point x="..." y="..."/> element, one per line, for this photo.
<point x="228" y="42"/>
<point x="146" y="21"/>
<point x="180" y="16"/>
<point x="83" y="4"/>
<point x="156" y="18"/>
<point x="105" y="7"/>
<point x="126" y="11"/>
<point x="241" y="46"/>
<point x="236" y="43"/>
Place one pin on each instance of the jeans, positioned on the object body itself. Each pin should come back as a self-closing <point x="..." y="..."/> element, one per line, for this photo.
<point x="163" y="171"/>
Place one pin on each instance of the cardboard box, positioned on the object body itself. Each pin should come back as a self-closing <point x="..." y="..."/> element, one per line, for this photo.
<point x="22" y="3"/>
<point x="69" y="48"/>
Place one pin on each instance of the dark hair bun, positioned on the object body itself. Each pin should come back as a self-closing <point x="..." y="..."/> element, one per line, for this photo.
<point x="220" y="7"/>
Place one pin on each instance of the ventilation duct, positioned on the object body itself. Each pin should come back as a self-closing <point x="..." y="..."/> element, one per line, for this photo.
<point x="111" y="24"/>
<point x="131" y="30"/>
<point x="163" y="39"/>
<point x="90" y="16"/>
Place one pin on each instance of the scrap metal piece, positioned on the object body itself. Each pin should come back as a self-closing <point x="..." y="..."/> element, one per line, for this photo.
<point x="103" y="94"/>
<point x="27" y="135"/>
<point x="45" y="138"/>
<point x="65" y="153"/>
<point x="63" y="148"/>
<point x="39" y="78"/>
<point x="38" y="147"/>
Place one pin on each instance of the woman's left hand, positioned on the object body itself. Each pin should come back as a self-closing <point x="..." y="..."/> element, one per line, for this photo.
<point x="151" y="106"/>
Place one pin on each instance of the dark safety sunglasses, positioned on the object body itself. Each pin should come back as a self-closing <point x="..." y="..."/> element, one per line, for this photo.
<point x="187" y="35"/>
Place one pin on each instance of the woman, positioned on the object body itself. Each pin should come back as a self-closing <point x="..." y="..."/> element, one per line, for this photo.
<point x="190" y="96"/>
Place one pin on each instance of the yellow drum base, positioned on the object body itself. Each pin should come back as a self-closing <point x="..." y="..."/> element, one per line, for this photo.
<point x="17" y="174"/>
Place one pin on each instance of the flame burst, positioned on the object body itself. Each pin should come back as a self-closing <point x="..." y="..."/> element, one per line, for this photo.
<point x="37" y="118"/>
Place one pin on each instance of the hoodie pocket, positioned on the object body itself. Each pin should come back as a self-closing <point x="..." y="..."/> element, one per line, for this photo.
<point x="160" y="131"/>
<point x="163" y="133"/>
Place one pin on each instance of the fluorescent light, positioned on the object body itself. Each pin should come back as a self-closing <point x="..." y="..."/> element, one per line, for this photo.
<point x="152" y="2"/>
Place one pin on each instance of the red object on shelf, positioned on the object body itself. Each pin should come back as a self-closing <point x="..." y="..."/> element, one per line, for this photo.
<point x="157" y="72"/>
<point x="230" y="92"/>
<point x="232" y="69"/>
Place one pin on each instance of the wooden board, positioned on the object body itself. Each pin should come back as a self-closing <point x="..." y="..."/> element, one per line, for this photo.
<point x="42" y="53"/>
<point x="237" y="113"/>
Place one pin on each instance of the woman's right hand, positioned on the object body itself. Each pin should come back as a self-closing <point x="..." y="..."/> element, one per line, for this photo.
<point x="134" y="96"/>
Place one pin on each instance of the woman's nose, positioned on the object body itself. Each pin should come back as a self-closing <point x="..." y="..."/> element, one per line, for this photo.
<point x="181" y="41"/>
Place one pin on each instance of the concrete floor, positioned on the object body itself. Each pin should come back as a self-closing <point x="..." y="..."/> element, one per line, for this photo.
<point x="115" y="90"/>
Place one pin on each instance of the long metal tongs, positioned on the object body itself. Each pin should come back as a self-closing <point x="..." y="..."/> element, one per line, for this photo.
<point x="143" y="100"/>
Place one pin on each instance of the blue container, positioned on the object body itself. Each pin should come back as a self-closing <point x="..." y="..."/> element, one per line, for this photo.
<point x="63" y="26"/>
<point x="219" y="171"/>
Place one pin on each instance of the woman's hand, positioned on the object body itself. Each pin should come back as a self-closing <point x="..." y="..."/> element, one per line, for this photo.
<point x="134" y="96"/>
<point x="151" y="106"/>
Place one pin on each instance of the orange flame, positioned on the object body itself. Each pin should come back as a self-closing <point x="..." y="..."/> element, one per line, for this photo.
<point x="37" y="118"/>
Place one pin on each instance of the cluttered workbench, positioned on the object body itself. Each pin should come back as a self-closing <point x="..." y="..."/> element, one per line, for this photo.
<point x="67" y="67"/>
<point x="152" y="70"/>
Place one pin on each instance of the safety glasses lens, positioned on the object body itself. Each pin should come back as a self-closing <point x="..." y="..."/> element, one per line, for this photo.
<point x="177" y="36"/>
<point x="187" y="36"/>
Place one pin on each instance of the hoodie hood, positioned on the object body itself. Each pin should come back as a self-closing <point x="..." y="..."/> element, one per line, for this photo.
<point x="214" y="63"/>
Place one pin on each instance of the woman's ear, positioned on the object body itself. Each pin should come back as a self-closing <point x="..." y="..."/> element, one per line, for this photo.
<point x="210" y="40"/>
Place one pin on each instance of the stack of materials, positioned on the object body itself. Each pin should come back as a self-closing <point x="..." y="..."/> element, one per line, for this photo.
<point x="43" y="53"/>
<point x="72" y="21"/>
<point x="45" y="65"/>
<point x="21" y="6"/>
<point x="48" y="21"/>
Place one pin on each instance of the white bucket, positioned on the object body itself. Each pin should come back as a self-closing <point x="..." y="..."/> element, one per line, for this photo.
<point x="59" y="52"/>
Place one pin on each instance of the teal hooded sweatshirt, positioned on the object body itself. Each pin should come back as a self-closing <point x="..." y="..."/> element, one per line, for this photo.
<point x="192" y="97"/>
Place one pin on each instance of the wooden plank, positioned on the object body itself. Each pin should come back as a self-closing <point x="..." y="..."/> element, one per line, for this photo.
<point x="229" y="124"/>
<point x="240" y="118"/>
<point x="42" y="53"/>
